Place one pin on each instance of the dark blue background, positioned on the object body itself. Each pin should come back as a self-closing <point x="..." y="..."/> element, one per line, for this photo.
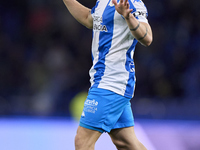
<point x="45" y="58"/>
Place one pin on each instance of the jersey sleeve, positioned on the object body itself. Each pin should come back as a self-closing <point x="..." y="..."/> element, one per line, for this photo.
<point x="93" y="9"/>
<point x="139" y="10"/>
<point x="92" y="12"/>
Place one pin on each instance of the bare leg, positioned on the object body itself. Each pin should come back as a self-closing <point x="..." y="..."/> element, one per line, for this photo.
<point x="85" y="138"/>
<point x="125" y="139"/>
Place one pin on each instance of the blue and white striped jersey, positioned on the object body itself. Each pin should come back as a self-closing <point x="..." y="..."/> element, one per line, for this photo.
<point x="113" y="47"/>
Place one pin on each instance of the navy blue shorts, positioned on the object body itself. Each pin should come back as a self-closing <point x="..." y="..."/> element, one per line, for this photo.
<point x="105" y="110"/>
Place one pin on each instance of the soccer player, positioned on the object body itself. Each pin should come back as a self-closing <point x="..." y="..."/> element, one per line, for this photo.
<point x="117" y="28"/>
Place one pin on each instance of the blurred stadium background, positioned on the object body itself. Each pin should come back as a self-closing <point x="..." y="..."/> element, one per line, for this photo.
<point x="44" y="62"/>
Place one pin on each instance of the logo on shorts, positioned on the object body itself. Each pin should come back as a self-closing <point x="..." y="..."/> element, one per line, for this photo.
<point x="91" y="102"/>
<point x="90" y="106"/>
<point x="83" y="114"/>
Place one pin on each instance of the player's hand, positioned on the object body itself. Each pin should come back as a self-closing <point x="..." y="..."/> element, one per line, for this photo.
<point x="123" y="8"/>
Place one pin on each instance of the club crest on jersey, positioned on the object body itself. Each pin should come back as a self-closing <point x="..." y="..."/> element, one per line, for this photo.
<point x="136" y="1"/>
<point x="111" y="3"/>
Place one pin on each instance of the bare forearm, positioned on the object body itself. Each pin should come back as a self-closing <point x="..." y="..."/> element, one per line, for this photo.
<point x="140" y="30"/>
<point x="79" y="12"/>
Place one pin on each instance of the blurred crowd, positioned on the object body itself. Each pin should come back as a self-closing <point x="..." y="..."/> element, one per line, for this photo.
<point x="45" y="58"/>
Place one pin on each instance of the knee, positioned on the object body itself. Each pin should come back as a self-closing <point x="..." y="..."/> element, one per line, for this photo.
<point x="85" y="139"/>
<point x="83" y="143"/>
<point x="123" y="145"/>
<point x="120" y="144"/>
<point x="78" y="142"/>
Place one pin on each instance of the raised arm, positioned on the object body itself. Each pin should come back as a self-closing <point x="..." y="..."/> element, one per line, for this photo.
<point x="140" y="30"/>
<point x="81" y="13"/>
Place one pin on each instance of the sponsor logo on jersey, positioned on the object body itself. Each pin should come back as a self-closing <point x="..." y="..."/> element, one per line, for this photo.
<point x="97" y="24"/>
<point x="139" y="13"/>
<point x="100" y="27"/>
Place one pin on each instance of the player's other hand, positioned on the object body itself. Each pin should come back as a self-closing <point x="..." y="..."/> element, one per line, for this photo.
<point x="123" y="8"/>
